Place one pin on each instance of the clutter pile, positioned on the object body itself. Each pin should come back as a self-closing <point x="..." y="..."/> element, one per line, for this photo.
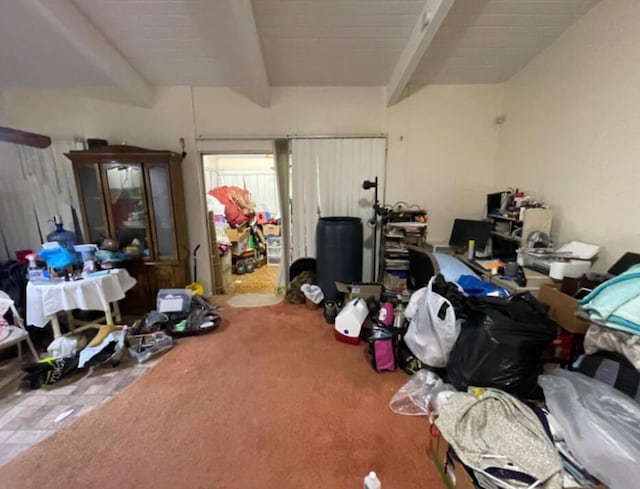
<point x="246" y="238"/>
<point x="500" y="417"/>
<point x="501" y="422"/>
<point x="65" y="260"/>
<point x="179" y="313"/>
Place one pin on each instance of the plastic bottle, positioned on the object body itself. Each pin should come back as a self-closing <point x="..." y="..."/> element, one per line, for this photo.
<point x="471" y="254"/>
<point x="33" y="272"/>
<point x="398" y="320"/>
<point x="67" y="239"/>
<point x="371" y="481"/>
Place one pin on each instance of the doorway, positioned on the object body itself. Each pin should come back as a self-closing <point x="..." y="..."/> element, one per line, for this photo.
<point x="244" y="219"/>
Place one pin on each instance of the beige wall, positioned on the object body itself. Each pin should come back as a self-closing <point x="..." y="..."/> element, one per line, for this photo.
<point x="103" y="113"/>
<point x="214" y="162"/>
<point x="441" y="154"/>
<point x="441" y="148"/>
<point x="572" y="133"/>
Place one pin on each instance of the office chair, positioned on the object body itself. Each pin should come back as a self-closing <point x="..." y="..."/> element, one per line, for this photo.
<point x="422" y="266"/>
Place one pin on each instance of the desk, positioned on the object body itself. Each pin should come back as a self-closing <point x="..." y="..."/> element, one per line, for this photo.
<point x="95" y="293"/>
<point x="534" y="279"/>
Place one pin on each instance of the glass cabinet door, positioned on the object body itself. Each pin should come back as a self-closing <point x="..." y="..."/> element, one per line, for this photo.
<point x="160" y="198"/>
<point x="91" y="195"/>
<point x="126" y="202"/>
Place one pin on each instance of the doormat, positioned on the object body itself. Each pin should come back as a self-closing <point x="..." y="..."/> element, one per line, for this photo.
<point x="254" y="300"/>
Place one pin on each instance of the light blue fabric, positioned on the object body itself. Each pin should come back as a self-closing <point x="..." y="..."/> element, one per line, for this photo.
<point x="616" y="303"/>
<point x="58" y="258"/>
<point x="451" y="268"/>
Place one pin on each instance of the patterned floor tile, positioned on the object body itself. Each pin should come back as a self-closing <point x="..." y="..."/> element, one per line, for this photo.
<point x="28" y="437"/>
<point x="4" y="434"/>
<point x="28" y="417"/>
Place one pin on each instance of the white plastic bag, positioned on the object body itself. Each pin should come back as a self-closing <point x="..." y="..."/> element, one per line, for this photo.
<point x="433" y="329"/>
<point x="63" y="346"/>
<point x="423" y="395"/>
<point x="601" y="425"/>
<point x="313" y="293"/>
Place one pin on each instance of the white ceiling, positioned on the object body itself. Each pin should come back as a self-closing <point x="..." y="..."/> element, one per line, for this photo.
<point x="333" y="42"/>
<point x="489" y="41"/>
<point x="32" y="54"/>
<point x="303" y="42"/>
<point x="172" y="42"/>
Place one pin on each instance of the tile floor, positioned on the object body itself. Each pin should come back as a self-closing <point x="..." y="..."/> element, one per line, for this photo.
<point x="28" y="417"/>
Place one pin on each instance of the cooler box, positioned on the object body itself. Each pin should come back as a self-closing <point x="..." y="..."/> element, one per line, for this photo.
<point x="350" y="320"/>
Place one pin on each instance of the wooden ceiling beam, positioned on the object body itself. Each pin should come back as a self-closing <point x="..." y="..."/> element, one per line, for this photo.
<point x="258" y="89"/>
<point x="429" y="21"/>
<point x="74" y="26"/>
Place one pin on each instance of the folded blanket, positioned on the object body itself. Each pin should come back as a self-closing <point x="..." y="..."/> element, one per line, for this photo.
<point x="616" y="302"/>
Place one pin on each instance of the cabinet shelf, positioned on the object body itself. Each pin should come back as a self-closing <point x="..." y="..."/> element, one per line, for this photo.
<point x="515" y="239"/>
<point x="505" y="242"/>
<point x="503" y="218"/>
<point x="399" y="230"/>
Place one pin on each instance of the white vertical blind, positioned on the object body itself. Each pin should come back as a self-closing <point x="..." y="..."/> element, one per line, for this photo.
<point x="33" y="182"/>
<point x="327" y="181"/>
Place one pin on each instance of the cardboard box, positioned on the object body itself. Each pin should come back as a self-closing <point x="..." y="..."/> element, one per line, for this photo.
<point x="364" y="291"/>
<point x="239" y="247"/>
<point x="453" y="473"/>
<point x="271" y="230"/>
<point x="562" y="308"/>
<point x="236" y="235"/>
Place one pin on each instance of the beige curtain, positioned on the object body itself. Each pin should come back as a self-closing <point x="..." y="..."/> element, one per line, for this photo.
<point x="327" y="181"/>
<point x="282" y="159"/>
<point x="35" y="185"/>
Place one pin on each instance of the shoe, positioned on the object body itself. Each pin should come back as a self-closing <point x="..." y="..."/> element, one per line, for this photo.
<point x="330" y="312"/>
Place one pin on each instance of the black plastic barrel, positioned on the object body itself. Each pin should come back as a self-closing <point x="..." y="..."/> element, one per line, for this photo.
<point x="339" y="242"/>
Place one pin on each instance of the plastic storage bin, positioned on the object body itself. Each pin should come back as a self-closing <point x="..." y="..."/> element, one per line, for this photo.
<point x="274" y="251"/>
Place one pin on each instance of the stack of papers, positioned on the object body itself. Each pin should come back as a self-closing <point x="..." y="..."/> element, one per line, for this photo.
<point x="579" y="251"/>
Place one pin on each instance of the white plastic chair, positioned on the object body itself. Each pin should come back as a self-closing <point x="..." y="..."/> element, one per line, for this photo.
<point x="17" y="332"/>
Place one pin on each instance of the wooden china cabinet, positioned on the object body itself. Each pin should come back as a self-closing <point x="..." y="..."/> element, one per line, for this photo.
<point x="136" y="196"/>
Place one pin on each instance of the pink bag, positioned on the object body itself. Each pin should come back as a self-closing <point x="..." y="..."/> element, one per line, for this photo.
<point x="383" y="354"/>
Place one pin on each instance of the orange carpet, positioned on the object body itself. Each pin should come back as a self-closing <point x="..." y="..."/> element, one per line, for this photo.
<point x="269" y="401"/>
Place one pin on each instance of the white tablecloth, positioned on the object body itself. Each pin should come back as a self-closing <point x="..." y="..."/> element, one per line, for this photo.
<point x="89" y="294"/>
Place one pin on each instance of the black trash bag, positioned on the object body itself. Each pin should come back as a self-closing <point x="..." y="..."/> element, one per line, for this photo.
<point x="501" y="345"/>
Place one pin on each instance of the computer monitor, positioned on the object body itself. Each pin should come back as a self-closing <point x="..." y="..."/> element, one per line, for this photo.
<point x="466" y="229"/>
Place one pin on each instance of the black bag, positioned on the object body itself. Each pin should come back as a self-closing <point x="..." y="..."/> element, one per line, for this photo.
<point x="13" y="281"/>
<point x="501" y="345"/>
